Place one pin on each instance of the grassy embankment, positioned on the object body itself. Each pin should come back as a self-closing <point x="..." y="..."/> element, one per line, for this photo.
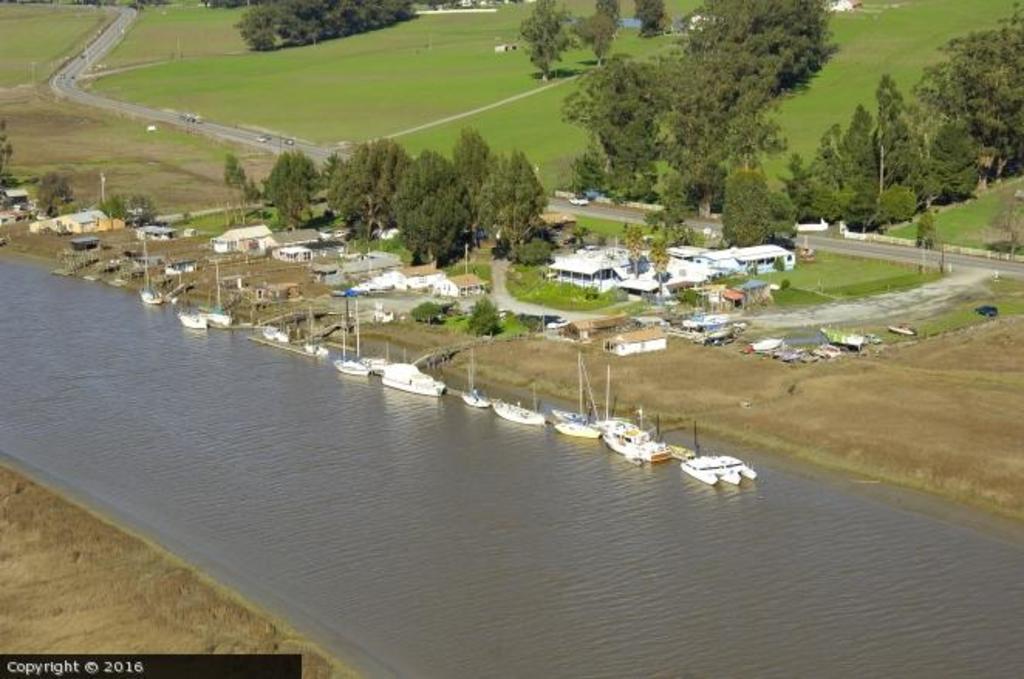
<point x="528" y="284"/>
<point x="74" y="583"/>
<point x="35" y="39"/>
<point x="833" y="277"/>
<point x="968" y="224"/>
<point x="364" y="86"/>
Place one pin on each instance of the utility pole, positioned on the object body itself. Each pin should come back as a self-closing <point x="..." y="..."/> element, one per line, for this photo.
<point x="103" y="188"/>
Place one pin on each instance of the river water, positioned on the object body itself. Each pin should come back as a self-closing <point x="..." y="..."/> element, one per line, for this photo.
<point x="422" y="538"/>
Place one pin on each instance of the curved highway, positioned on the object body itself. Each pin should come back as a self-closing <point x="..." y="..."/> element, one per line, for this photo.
<point x="65" y="84"/>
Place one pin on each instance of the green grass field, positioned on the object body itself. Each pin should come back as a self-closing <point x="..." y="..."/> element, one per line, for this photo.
<point x="898" y="37"/>
<point x="968" y="224"/>
<point x="834" y="277"/>
<point x="528" y="284"/>
<point x="41" y="36"/>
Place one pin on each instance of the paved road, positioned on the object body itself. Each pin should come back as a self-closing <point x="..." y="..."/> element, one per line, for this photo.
<point x="65" y="85"/>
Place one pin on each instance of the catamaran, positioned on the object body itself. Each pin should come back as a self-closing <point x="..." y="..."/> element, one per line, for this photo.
<point x="578" y="423"/>
<point x="407" y="377"/>
<point x="148" y="295"/>
<point x="714" y="468"/>
<point x="217" y="316"/>
<point x="473" y="397"/>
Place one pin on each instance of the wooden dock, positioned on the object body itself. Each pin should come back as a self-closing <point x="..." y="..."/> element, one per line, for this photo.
<point x="291" y="348"/>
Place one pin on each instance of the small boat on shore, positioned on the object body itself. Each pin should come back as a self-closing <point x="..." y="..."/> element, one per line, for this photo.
<point x="766" y="345"/>
<point x="407" y="377"/>
<point x="903" y="329"/>
<point x="193" y="320"/>
<point x="514" y="412"/>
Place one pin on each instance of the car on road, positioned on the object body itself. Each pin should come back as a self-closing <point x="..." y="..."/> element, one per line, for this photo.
<point x="289" y="142"/>
<point x="263" y="139"/>
<point x="987" y="310"/>
<point x="557" y="323"/>
<point x="579" y="200"/>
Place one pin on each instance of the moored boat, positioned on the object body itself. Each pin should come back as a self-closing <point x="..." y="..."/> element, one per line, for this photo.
<point x="577" y="429"/>
<point x="903" y="329"/>
<point x="315" y="350"/>
<point x="350" y="366"/>
<point x="513" y="412"/>
<point x="407" y="377"/>
<point x="193" y="320"/>
<point x="475" y="399"/>
<point x="714" y="468"/>
<point x="635" y="444"/>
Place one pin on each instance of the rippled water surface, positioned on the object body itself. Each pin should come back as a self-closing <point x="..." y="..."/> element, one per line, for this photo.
<point x="424" y="538"/>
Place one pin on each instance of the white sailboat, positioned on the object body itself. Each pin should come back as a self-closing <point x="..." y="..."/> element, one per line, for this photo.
<point x="193" y="320"/>
<point x="272" y="333"/>
<point x="518" y="414"/>
<point x="217" y="316"/>
<point x="635" y="444"/>
<point x="473" y="397"/>
<point x="576" y="424"/>
<point x="351" y="366"/>
<point x="148" y="295"/>
<point x="407" y="377"/>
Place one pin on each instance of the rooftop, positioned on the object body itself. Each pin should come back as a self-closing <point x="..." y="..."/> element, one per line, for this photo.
<point x="643" y="335"/>
<point x="244" y="232"/>
<point x="589" y="261"/>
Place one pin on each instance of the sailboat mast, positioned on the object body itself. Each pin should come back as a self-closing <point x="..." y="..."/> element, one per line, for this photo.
<point x="216" y="266"/>
<point x="145" y="262"/>
<point x="607" y="392"/>
<point x="358" y="348"/>
<point x="579" y="376"/>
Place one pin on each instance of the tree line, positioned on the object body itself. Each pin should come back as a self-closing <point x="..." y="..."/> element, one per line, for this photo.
<point x="269" y="24"/>
<point x="438" y="204"/>
<point x="706" y="114"/>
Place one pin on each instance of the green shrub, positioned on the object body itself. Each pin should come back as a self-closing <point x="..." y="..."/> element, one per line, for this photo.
<point x="428" y="312"/>
<point x="534" y="253"/>
<point x="785" y="284"/>
<point x="484" y="320"/>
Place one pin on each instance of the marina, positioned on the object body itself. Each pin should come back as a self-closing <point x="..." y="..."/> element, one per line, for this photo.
<point x="418" y="538"/>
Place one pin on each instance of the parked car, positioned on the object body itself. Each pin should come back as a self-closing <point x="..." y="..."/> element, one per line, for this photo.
<point x="987" y="310"/>
<point x="557" y="323"/>
<point x="289" y="142"/>
<point x="579" y="200"/>
<point x="263" y="139"/>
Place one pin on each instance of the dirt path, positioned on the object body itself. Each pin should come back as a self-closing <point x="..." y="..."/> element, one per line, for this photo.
<point x="926" y="300"/>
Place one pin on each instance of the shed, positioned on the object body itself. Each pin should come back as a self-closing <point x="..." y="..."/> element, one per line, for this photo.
<point x="181" y="266"/>
<point x="293" y="253"/>
<point x="252" y="239"/>
<point x="423" y="277"/>
<point x="756" y="292"/>
<point x="585" y="330"/>
<point x="276" y="292"/>
<point x="155" y="232"/>
<point x="637" y="342"/>
<point x="15" y="197"/>
<point x="84" y="243"/>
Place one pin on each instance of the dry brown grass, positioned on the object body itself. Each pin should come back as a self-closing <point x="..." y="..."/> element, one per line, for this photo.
<point x="180" y="171"/>
<point x="76" y="584"/>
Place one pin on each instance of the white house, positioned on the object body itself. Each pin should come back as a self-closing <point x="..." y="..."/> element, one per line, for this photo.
<point x="423" y="277"/>
<point x="293" y="253"/>
<point x="758" y="259"/>
<point x="637" y="342"/>
<point x="251" y="239"/>
<point x="466" y="285"/>
<point x="592" y="267"/>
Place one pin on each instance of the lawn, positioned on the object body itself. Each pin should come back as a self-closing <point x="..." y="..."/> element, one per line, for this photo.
<point x="381" y="83"/>
<point x="528" y="284"/>
<point x="34" y="39"/>
<point x="887" y="36"/>
<point x="968" y="224"/>
<point x="833" y="277"/>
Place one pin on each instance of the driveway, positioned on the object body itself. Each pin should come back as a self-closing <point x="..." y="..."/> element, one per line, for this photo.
<point x="504" y="300"/>
<point x="920" y="302"/>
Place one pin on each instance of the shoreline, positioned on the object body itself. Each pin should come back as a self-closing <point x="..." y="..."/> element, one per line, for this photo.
<point x="125" y="592"/>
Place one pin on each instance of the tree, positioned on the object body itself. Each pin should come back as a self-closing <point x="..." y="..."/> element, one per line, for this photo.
<point x="114" y="207"/>
<point x="533" y="253"/>
<point x="234" y="178"/>
<point x="546" y="34"/>
<point x="513" y="199"/>
<point x="651" y="14"/>
<point x="670" y="221"/>
<point x="659" y="260"/>
<point x="953" y="166"/>
<point x="588" y="172"/>
<point x="363" y="188"/>
<point x="473" y="163"/>
<point x="484" y="319"/>
<point x="291" y="186"/>
<point x="858" y="165"/>
<point x="432" y="208"/>
<point x="633" y="239"/>
<point x="896" y="204"/>
<point x="620" y="108"/>
<point x="6" y="152"/>
<point x="258" y="27"/>
<point x="427" y="312"/>
<point x="747" y="217"/>
<point x="892" y="135"/>
<point x="981" y="84"/>
<point x="1008" y="224"/>
<point x="926" y="230"/>
<point x="141" y="209"/>
<point x="609" y="8"/>
<point x="597" y="32"/>
<point x="54" y="191"/>
<point x="800" y="187"/>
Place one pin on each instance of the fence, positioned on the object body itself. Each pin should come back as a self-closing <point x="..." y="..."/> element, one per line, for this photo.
<point x="948" y="249"/>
